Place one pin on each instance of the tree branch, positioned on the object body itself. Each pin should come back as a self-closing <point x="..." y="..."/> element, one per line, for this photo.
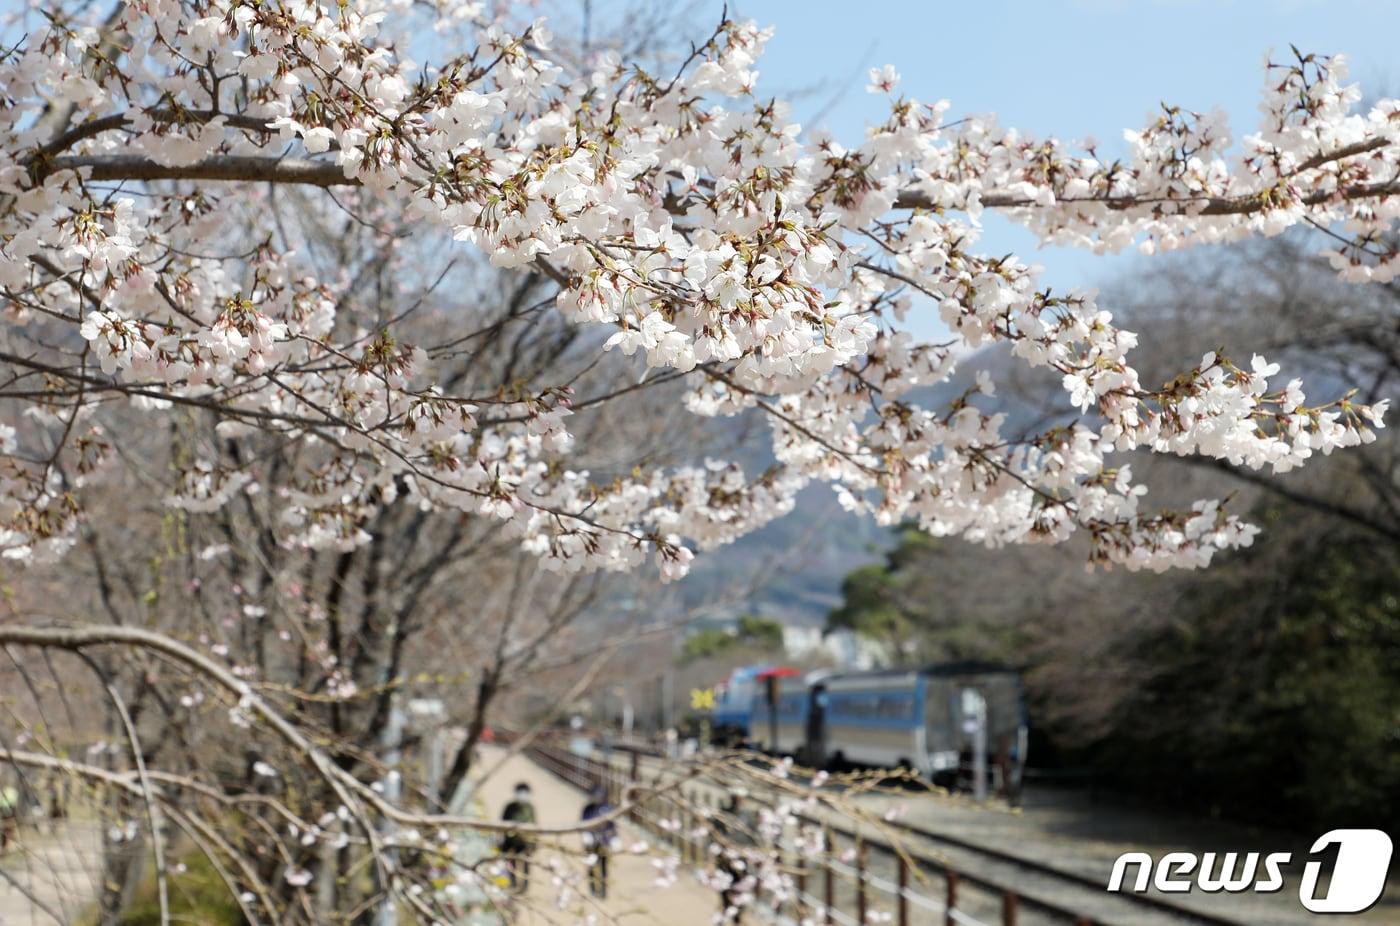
<point x="1187" y="206"/>
<point x="235" y="168"/>
<point x="1356" y="516"/>
<point x="230" y="168"/>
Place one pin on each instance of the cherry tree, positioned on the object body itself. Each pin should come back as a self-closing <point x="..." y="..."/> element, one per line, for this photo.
<point x="166" y="263"/>
<point x="687" y="217"/>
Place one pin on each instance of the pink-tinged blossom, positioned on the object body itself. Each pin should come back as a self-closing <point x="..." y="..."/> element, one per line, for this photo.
<point x="693" y="224"/>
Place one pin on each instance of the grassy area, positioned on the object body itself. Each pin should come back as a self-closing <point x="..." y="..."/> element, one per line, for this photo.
<point x="197" y="895"/>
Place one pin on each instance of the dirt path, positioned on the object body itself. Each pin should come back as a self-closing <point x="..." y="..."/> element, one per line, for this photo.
<point x="634" y="897"/>
<point x="48" y="878"/>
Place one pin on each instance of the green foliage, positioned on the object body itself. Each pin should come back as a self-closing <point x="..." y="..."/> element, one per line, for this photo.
<point x="868" y="604"/>
<point x="197" y="895"/>
<point x="759" y="634"/>
<point x="907" y="604"/>
<point x="705" y="644"/>
<point x="1280" y="701"/>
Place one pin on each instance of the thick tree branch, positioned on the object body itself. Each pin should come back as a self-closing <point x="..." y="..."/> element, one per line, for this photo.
<point x="252" y="169"/>
<point x="230" y="168"/>
<point x="1364" y="519"/>
<point x="1163" y="205"/>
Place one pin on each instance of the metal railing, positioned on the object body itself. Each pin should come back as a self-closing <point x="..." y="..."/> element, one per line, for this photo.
<point x="826" y="889"/>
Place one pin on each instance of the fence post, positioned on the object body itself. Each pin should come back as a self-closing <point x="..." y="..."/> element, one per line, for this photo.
<point x="801" y="879"/>
<point x="635" y="813"/>
<point x="860" y="880"/>
<point x="782" y="866"/>
<point x="678" y="835"/>
<point x="655" y="809"/>
<point x="1008" y="909"/>
<point x="952" y="901"/>
<point x="902" y="907"/>
<point x="828" y="889"/>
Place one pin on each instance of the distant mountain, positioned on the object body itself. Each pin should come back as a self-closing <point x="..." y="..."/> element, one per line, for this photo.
<point x="798" y="562"/>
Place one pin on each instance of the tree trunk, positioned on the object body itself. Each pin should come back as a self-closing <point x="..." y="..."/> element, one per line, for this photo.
<point x="123" y="865"/>
<point x="486" y="691"/>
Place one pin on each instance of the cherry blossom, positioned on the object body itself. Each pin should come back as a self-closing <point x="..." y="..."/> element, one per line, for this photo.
<point x="679" y="213"/>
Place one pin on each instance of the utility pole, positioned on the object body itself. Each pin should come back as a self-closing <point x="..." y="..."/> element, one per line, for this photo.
<point x="974" y="706"/>
<point x="392" y="743"/>
<point x="625" y="696"/>
<point x="424" y="714"/>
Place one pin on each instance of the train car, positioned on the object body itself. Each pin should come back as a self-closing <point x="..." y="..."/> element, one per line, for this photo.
<point x="735" y="697"/>
<point x="729" y="722"/>
<point x="782" y="716"/>
<point x="875" y="719"/>
<point x="1007" y="727"/>
<point x="924" y="719"/>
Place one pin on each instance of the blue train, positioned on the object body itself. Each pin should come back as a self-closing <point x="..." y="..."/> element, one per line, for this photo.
<point x="921" y="719"/>
<point x="730" y="721"/>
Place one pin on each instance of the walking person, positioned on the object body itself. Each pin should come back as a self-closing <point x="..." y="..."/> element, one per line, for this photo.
<point x="516" y="846"/>
<point x="598" y="841"/>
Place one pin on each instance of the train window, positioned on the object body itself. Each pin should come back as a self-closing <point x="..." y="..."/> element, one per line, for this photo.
<point x="894" y="707"/>
<point x="874" y="706"/>
<point x="792" y="705"/>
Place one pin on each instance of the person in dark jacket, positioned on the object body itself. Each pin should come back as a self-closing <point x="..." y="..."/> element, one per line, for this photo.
<point x="598" y="840"/>
<point x="516" y="846"/>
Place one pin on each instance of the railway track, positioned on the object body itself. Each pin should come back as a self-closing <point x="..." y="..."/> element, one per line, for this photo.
<point x="985" y="880"/>
<point x="1036" y="878"/>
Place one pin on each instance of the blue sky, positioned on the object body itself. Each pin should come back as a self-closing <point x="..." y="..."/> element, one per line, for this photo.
<point x="1072" y="69"/>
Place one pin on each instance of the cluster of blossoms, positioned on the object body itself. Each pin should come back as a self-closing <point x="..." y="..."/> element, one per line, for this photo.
<point x="678" y="211"/>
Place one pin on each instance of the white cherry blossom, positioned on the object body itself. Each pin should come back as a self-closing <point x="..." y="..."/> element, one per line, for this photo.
<point x="769" y="275"/>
